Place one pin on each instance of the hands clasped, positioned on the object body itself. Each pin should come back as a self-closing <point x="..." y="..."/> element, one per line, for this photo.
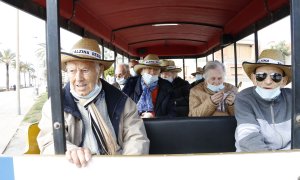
<point x="219" y="96"/>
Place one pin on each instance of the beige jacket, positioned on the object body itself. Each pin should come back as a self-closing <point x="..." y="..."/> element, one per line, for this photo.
<point x="132" y="134"/>
<point x="200" y="103"/>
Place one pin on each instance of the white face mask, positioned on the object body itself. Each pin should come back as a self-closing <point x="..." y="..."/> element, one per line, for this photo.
<point x="95" y="91"/>
<point x="268" y="94"/>
<point x="215" y="88"/>
<point x="198" y="77"/>
<point x="121" y="80"/>
<point x="148" y="78"/>
<point x="170" y="79"/>
<point x="132" y="72"/>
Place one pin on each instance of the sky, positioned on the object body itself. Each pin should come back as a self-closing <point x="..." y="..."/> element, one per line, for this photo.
<point x="32" y="32"/>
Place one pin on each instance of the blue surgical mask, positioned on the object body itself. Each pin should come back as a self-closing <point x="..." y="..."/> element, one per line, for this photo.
<point x="198" y="77"/>
<point x="268" y="94"/>
<point x="148" y="78"/>
<point x="215" y="88"/>
<point x="132" y="72"/>
<point x="170" y="79"/>
<point x="121" y="80"/>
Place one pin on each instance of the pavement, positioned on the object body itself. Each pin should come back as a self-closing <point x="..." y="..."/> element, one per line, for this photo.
<point x="12" y="132"/>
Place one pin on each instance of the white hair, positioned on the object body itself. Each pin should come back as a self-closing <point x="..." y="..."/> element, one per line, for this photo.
<point x="213" y="65"/>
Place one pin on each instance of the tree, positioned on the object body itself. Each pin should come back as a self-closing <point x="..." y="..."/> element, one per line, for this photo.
<point x="25" y="67"/>
<point x="41" y="53"/>
<point x="7" y="57"/>
<point x="283" y="47"/>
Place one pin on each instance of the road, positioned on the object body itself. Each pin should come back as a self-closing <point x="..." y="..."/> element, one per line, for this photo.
<point x="9" y="120"/>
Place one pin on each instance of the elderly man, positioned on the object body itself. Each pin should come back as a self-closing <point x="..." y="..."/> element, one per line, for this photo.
<point x="131" y="64"/>
<point x="263" y="112"/>
<point x="122" y="74"/>
<point x="213" y="97"/>
<point x="99" y="119"/>
<point x="181" y="87"/>
<point x="153" y="95"/>
<point x="198" y="76"/>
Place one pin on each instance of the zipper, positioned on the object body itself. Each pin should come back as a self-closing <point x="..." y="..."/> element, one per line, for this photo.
<point x="273" y="121"/>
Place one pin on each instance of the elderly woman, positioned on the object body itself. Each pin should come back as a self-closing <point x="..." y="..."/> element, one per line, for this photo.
<point x="153" y="95"/>
<point x="263" y="112"/>
<point x="213" y="97"/>
<point x="99" y="119"/>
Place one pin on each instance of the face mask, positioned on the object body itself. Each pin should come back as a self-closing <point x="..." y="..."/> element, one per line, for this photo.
<point x="198" y="77"/>
<point x="132" y="72"/>
<point x="215" y="88"/>
<point x="121" y="81"/>
<point x="170" y="79"/>
<point x="95" y="91"/>
<point x="148" y="78"/>
<point x="268" y="94"/>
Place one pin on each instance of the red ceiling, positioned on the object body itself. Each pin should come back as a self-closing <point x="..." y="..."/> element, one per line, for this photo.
<point x="127" y="23"/>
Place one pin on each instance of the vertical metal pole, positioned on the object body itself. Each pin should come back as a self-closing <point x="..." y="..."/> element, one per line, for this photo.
<point x="256" y="43"/>
<point x="102" y="45"/>
<point x="213" y="55"/>
<point x="183" y="68"/>
<point x="122" y="57"/>
<point x="115" y="63"/>
<point x="222" y="55"/>
<point x="196" y="63"/>
<point x="18" y="68"/>
<point x="235" y="65"/>
<point x="295" y="28"/>
<point x="54" y="76"/>
<point x="206" y="58"/>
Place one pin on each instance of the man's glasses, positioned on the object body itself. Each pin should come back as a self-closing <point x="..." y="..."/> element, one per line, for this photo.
<point x="276" y="77"/>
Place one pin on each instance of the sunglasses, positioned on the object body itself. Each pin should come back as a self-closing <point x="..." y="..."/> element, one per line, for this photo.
<point x="276" y="77"/>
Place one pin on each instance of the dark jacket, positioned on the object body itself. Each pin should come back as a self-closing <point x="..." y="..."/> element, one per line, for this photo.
<point x="164" y="103"/>
<point x="196" y="82"/>
<point x="114" y="98"/>
<point x="181" y="90"/>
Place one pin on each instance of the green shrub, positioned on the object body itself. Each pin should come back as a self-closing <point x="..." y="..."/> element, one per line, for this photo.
<point x="35" y="113"/>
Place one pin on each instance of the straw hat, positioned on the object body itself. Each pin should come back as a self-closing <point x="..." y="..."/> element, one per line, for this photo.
<point x="199" y="70"/>
<point x="151" y="60"/>
<point x="85" y="50"/>
<point x="169" y="66"/>
<point x="269" y="57"/>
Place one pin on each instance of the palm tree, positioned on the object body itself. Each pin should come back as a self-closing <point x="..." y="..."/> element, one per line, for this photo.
<point x="25" y="67"/>
<point x="7" y="57"/>
<point x="41" y="53"/>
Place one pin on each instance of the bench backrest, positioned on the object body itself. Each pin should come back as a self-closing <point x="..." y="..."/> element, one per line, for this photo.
<point x="191" y="135"/>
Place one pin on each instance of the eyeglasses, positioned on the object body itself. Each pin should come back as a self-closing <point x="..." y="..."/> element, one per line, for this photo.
<point x="276" y="77"/>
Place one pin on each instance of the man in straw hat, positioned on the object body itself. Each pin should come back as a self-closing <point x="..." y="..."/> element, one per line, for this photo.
<point x="213" y="97"/>
<point x="198" y="76"/>
<point x="263" y="112"/>
<point x="181" y="87"/>
<point x="152" y="94"/>
<point x="131" y="65"/>
<point x="99" y="119"/>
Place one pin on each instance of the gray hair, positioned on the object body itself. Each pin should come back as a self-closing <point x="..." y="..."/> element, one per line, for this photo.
<point x="212" y="65"/>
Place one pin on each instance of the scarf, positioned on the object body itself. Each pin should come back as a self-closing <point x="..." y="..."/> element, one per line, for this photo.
<point x="102" y="133"/>
<point x="145" y="102"/>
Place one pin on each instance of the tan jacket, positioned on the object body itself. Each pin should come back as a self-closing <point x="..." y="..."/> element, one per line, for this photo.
<point x="200" y="103"/>
<point x="132" y="134"/>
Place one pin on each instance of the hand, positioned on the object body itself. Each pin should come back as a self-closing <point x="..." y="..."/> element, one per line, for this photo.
<point x="230" y="99"/>
<point x="147" y="115"/>
<point x="217" y="98"/>
<point x="79" y="156"/>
